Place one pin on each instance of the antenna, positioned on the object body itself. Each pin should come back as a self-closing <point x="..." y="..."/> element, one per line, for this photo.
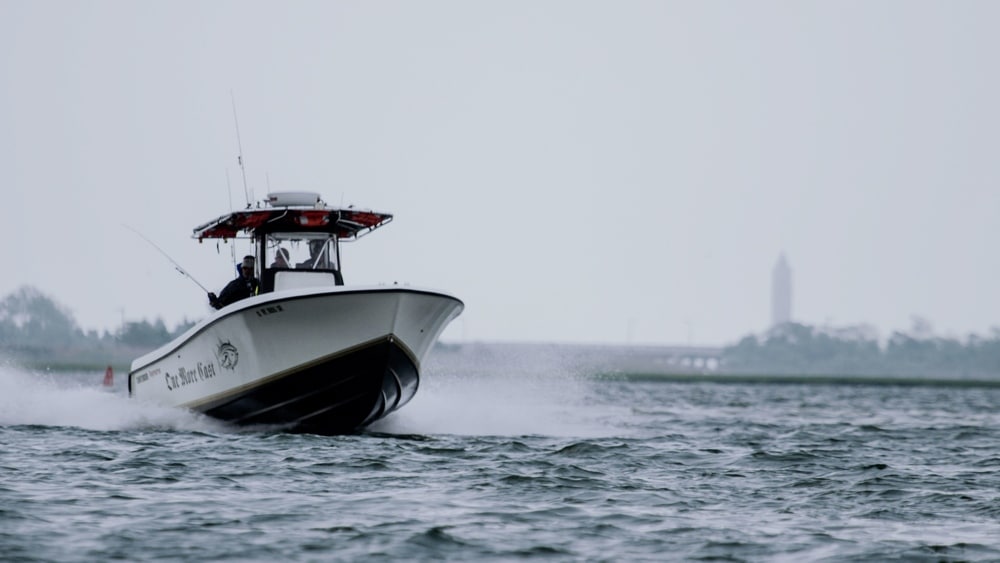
<point x="239" y="144"/>
<point x="229" y="187"/>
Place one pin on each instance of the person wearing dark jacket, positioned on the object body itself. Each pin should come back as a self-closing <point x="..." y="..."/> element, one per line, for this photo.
<point x="242" y="287"/>
<point x="317" y="256"/>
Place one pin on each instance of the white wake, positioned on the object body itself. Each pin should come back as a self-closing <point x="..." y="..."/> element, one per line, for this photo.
<point x="80" y="400"/>
<point x="504" y="394"/>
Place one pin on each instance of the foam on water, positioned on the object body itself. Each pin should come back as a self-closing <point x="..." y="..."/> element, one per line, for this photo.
<point x="492" y="407"/>
<point x="57" y="399"/>
<point x="539" y="394"/>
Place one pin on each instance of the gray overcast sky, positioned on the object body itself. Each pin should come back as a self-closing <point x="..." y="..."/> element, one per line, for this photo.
<point x="574" y="171"/>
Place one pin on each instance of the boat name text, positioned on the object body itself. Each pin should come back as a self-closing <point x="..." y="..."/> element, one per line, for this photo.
<point x="187" y="376"/>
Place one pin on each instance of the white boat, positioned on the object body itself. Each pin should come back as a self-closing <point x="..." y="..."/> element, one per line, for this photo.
<point x="307" y="353"/>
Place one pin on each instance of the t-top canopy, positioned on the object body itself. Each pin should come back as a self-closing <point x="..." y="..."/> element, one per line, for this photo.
<point x="344" y="223"/>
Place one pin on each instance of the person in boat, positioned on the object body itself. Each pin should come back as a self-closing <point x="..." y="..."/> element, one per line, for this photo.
<point x="317" y="259"/>
<point x="245" y="285"/>
<point x="280" y="259"/>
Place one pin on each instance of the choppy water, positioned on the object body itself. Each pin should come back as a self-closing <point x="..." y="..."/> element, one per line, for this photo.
<point x="504" y="464"/>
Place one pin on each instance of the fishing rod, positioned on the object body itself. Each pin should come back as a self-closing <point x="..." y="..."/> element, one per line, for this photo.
<point x="167" y="256"/>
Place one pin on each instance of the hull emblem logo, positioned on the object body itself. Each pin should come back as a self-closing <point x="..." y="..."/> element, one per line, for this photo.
<point x="228" y="355"/>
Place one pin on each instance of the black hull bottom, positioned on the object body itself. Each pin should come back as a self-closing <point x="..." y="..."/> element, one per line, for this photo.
<point x="337" y="396"/>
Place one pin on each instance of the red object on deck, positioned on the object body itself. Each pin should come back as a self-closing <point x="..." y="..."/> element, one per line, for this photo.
<point x="109" y="377"/>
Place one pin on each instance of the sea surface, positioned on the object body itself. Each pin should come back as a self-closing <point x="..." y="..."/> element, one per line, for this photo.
<point x="511" y="460"/>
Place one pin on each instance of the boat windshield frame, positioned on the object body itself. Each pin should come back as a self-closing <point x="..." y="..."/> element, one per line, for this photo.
<point x="302" y="250"/>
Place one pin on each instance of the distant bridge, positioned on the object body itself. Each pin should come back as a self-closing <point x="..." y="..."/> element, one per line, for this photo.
<point x="661" y="358"/>
<point x="593" y="357"/>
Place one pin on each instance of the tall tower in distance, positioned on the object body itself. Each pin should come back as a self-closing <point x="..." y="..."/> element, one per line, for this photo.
<point x="781" y="292"/>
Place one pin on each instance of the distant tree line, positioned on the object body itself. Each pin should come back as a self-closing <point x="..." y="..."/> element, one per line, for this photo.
<point x="794" y="348"/>
<point x="34" y="329"/>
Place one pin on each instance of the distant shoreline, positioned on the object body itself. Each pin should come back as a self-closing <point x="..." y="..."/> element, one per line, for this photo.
<point x="804" y="379"/>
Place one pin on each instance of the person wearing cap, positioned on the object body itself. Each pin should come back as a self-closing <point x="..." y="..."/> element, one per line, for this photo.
<point x="245" y="285"/>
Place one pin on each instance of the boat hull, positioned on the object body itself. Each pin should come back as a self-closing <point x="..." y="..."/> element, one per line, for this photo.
<point x="319" y="361"/>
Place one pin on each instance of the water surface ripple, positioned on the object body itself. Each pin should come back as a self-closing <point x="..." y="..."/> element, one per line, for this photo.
<point x="502" y="467"/>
